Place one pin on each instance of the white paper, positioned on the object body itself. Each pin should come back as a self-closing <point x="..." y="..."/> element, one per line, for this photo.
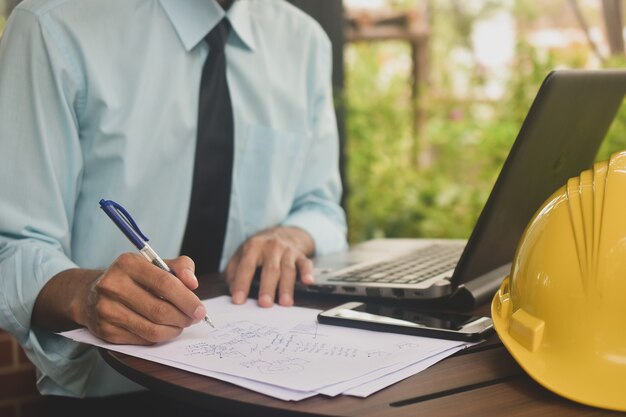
<point x="373" y="386"/>
<point x="284" y="352"/>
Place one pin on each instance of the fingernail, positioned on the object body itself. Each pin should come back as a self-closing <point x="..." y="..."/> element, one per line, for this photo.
<point x="238" y="297"/>
<point x="286" y="299"/>
<point x="199" y="312"/>
<point x="308" y="279"/>
<point x="192" y="275"/>
<point x="265" y="300"/>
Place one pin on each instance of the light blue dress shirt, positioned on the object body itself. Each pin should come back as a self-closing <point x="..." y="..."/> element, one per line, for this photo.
<point x="99" y="99"/>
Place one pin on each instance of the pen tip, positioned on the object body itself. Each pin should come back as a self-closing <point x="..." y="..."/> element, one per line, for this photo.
<point x="208" y="321"/>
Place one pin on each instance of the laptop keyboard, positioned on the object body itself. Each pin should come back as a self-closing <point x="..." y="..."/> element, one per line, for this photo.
<point x="411" y="268"/>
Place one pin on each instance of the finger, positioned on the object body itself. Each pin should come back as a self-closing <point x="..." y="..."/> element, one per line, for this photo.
<point x="136" y="324"/>
<point x="158" y="310"/>
<point x="100" y="325"/>
<point x="240" y="285"/>
<point x="287" y="280"/>
<point x="163" y="284"/>
<point x="231" y="268"/>
<point x="184" y="268"/>
<point x="118" y="335"/>
<point x="138" y="299"/>
<point x="305" y="270"/>
<point x="270" y="274"/>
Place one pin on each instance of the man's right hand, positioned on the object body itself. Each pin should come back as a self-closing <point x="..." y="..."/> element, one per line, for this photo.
<point x="132" y="302"/>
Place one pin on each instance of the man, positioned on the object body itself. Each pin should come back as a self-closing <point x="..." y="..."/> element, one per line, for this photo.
<point x="100" y="99"/>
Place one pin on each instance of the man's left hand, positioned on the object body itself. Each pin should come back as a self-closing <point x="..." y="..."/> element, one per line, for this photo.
<point x="282" y="253"/>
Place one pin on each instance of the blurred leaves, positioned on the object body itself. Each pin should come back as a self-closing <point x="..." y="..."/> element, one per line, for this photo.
<point x="465" y="140"/>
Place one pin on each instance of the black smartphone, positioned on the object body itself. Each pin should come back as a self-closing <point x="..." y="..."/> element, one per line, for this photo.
<point x="394" y="319"/>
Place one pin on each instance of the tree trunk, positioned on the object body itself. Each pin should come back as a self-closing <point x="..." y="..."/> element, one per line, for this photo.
<point x="8" y="6"/>
<point x="612" y="13"/>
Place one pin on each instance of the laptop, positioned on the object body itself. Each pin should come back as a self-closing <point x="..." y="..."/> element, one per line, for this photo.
<point x="558" y="139"/>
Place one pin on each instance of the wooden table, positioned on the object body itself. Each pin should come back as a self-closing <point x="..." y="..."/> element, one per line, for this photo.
<point x="481" y="381"/>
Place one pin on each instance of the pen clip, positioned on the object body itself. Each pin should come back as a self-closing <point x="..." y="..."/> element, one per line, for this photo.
<point x="109" y="205"/>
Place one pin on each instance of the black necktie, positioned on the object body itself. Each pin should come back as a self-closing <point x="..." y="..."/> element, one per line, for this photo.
<point x="210" y="193"/>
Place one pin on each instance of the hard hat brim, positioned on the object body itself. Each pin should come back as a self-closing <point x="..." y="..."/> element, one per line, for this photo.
<point x="590" y="381"/>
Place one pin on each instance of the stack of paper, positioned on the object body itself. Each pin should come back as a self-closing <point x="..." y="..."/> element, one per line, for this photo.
<point x="285" y="353"/>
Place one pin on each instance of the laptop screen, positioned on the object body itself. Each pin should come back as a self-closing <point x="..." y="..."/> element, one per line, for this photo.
<point x="559" y="138"/>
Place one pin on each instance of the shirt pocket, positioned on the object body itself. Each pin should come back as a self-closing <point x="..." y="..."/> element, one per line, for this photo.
<point x="272" y="163"/>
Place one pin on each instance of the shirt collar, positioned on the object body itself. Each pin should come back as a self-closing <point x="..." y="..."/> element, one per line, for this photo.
<point x="194" y="19"/>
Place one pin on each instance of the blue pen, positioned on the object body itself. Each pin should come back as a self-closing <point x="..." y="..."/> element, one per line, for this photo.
<point x="127" y="225"/>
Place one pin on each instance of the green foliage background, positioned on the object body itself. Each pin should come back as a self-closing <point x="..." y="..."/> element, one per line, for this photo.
<point x="468" y="140"/>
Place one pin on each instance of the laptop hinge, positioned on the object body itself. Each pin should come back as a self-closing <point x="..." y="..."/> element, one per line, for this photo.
<point x="479" y="290"/>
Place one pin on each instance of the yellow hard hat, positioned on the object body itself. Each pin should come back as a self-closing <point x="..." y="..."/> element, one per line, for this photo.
<point x="561" y="312"/>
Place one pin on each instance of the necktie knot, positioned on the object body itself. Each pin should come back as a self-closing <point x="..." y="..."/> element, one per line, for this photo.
<point x="217" y="36"/>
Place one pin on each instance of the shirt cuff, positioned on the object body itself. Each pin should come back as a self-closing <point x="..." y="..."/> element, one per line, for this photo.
<point x="26" y="268"/>
<point x="328" y="235"/>
<point x="64" y="367"/>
